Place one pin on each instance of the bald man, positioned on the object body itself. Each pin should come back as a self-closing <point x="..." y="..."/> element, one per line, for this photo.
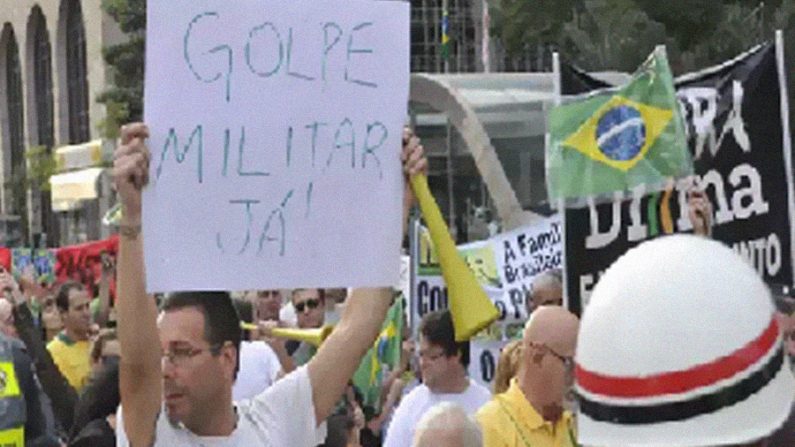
<point x="531" y="411"/>
<point x="447" y="425"/>
<point x="547" y="290"/>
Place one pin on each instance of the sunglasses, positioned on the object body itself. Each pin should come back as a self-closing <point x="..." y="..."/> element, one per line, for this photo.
<point x="310" y="303"/>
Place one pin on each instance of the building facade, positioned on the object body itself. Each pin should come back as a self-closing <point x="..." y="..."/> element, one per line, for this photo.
<point x="51" y="71"/>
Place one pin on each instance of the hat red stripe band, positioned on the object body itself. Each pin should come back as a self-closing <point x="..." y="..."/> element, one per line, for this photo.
<point x="680" y="381"/>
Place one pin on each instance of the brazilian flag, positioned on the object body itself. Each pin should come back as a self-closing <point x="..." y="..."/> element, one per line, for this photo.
<point x="383" y="356"/>
<point x="614" y="140"/>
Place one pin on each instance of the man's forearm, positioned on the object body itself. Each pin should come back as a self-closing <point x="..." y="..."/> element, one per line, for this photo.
<point x="137" y="325"/>
<point x="140" y="381"/>
<point x="340" y="355"/>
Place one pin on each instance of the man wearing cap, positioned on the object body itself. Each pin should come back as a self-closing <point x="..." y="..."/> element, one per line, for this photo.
<point x="679" y="346"/>
<point x="531" y="412"/>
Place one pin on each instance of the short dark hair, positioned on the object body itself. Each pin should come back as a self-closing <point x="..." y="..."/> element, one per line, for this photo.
<point x="320" y="293"/>
<point x="437" y="328"/>
<point x="221" y="321"/>
<point x="245" y="311"/>
<point x="62" y="297"/>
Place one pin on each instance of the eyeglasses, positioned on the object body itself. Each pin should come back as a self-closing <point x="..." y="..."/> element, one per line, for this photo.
<point x="568" y="362"/>
<point x="269" y="294"/>
<point x="310" y="303"/>
<point x="180" y="357"/>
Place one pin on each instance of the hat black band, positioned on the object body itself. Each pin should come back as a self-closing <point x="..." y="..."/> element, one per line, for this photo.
<point x="686" y="409"/>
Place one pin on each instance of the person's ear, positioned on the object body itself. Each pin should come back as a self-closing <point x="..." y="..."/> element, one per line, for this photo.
<point x="229" y="356"/>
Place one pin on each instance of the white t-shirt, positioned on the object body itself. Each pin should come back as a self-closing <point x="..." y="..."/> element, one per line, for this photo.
<point x="259" y="368"/>
<point x="287" y="315"/>
<point x="420" y="400"/>
<point x="284" y="415"/>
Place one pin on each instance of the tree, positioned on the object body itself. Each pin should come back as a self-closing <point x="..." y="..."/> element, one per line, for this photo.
<point x="124" y="98"/>
<point x="520" y="24"/>
<point x="619" y="34"/>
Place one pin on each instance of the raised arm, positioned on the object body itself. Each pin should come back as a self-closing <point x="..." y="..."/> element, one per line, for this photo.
<point x="336" y="361"/>
<point x="53" y="383"/>
<point x="140" y="381"/>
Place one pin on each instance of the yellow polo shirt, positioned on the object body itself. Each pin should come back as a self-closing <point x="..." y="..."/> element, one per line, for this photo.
<point x="508" y="420"/>
<point x="72" y="359"/>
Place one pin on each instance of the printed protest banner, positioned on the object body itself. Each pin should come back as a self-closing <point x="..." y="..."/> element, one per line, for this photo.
<point x="524" y="253"/>
<point x="734" y="117"/>
<point x="483" y="358"/>
<point x="505" y="266"/>
<point x="275" y="136"/>
<point x="83" y="262"/>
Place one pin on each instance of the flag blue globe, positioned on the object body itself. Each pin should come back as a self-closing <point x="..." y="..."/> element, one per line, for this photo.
<point x="621" y="133"/>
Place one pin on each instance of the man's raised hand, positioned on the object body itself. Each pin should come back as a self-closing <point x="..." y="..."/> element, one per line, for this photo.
<point x="131" y="169"/>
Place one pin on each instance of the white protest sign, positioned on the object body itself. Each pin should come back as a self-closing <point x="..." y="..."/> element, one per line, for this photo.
<point x="524" y="253"/>
<point x="483" y="358"/>
<point x="275" y="137"/>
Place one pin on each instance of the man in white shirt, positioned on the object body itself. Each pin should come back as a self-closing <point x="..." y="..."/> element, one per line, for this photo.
<point x="443" y="363"/>
<point x="178" y="367"/>
<point x="259" y="369"/>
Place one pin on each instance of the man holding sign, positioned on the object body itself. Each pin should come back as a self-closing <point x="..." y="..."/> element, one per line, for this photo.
<point x="178" y="367"/>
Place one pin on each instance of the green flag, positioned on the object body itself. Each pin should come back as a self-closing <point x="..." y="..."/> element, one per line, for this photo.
<point x="385" y="351"/>
<point x="616" y="140"/>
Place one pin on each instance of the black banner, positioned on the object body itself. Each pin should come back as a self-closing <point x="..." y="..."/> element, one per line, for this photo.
<point x="734" y="127"/>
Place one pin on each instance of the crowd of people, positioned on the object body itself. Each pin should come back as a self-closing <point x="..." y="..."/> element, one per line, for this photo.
<point x="681" y="344"/>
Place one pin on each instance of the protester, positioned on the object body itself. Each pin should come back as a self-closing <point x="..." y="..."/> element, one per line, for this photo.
<point x="70" y="348"/>
<point x="309" y="305"/>
<point x="259" y="364"/>
<point x="532" y="411"/>
<point x="346" y="425"/>
<point x="699" y="212"/>
<point x="335" y="303"/>
<point x="268" y="303"/>
<point x="94" y="420"/>
<point x="101" y="306"/>
<point x="447" y="425"/>
<point x="22" y="408"/>
<point x="547" y="290"/>
<point x="679" y="347"/>
<point x="443" y="363"/>
<point x="105" y="349"/>
<point x="51" y="321"/>
<point x="177" y="370"/>
<point x="7" y="326"/>
<point x="60" y="398"/>
<point x="507" y="366"/>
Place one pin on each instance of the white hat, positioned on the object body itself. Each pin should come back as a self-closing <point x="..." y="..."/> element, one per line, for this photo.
<point x="679" y="347"/>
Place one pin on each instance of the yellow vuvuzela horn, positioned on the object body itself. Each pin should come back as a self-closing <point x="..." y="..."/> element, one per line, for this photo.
<point x="470" y="307"/>
<point x="312" y="336"/>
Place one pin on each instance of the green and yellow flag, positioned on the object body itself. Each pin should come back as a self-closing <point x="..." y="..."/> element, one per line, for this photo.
<point x="614" y="140"/>
<point x="385" y="351"/>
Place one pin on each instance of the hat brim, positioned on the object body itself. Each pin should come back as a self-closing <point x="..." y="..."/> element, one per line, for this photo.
<point x="746" y="421"/>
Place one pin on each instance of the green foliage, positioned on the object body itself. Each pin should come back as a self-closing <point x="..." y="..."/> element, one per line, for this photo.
<point x="619" y="34"/>
<point x="520" y="22"/>
<point x="612" y="33"/>
<point x="41" y="165"/>
<point x="124" y="98"/>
